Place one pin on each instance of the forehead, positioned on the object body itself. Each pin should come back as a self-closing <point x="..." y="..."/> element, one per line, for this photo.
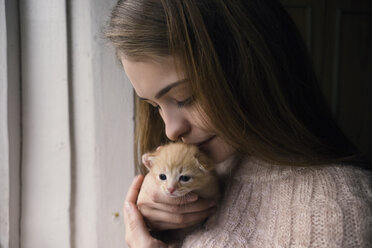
<point x="148" y="76"/>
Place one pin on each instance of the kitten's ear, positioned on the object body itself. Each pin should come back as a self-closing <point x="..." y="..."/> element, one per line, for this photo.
<point x="203" y="162"/>
<point x="201" y="166"/>
<point x="147" y="160"/>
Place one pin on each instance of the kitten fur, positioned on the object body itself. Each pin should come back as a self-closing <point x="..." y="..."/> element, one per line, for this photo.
<point x="178" y="159"/>
<point x="170" y="164"/>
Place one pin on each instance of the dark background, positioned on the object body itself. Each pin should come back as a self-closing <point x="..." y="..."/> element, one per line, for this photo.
<point x="338" y="34"/>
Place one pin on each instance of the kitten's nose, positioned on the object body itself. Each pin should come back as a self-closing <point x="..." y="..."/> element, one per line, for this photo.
<point x="171" y="190"/>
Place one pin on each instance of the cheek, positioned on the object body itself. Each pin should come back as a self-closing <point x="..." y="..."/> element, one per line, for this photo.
<point x="163" y="186"/>
<point x="199" y="118"/>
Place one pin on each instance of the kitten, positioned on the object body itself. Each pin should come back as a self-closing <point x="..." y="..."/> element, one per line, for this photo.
<point x="178" y="169"/>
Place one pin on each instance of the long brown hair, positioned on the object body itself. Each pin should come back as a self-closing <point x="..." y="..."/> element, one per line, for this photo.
<point x="244" y="58"/>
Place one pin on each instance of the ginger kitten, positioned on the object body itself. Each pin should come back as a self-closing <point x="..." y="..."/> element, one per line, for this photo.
<point x="178" y="169"/>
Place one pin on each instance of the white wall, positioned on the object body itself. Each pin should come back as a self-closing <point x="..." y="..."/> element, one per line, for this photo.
<point x="108" y="104"/>
<point x="77" y="128"/>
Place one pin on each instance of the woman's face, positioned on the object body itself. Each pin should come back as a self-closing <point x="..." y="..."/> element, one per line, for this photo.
<point x="158" y="84"/>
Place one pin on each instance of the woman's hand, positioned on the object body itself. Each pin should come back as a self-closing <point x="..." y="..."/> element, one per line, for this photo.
<point x="162" y="212"/>
<point x="137" y="234"/>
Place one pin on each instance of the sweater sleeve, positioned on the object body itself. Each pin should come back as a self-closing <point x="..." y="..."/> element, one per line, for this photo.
<point x="274" y="207"/>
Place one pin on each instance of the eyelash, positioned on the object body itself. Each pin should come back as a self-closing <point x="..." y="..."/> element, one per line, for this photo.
<point x="185" y="103"/>
<point x="180" y="104"/>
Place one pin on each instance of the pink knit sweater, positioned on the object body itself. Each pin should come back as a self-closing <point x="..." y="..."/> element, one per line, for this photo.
<point x="272" y="206"/>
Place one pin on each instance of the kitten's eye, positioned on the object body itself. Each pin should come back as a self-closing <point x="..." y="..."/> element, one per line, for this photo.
<point x="185" y="178"/>
<point x="162" y="177"/>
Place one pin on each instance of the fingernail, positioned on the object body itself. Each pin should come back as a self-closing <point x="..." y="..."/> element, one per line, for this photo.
<point x="192" y="197"/>
<point x="128" y="207"/>
<point x="136" y="177"/>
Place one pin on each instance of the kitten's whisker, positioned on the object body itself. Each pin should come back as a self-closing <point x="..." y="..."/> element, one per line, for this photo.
<point x="184" y="200"/>
<point x="187" y="197"/>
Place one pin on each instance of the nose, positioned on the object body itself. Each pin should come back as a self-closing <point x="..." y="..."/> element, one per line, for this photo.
<point x="171" y="190"/>
<point x="176" y="125"/>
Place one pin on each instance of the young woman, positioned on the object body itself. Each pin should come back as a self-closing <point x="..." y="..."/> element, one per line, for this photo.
<point x="233" y="77"/>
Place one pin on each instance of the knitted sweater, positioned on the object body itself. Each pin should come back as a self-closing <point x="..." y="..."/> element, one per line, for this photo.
<point x="273" y="206"/>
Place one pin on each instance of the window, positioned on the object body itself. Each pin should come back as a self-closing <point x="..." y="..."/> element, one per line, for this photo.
<point x="66" y="121"/>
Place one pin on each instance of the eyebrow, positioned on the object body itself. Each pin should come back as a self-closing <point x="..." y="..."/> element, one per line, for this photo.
<point x="166" y="89"/>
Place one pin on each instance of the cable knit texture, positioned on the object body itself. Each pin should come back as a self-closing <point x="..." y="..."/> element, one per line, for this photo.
<point x="274" y="206"/>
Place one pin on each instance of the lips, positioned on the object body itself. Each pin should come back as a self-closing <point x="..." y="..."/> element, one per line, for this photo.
<point x="205" y="142"/>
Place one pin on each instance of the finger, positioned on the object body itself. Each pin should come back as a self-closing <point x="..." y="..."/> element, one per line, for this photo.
<point x="160" y="197"/>
<point x="134" y="223"/>
<point x="160" y="220"/>
<point x="133" y="220"/>
<point x="137" y="234"/>
<point x="198" y="206"/>
<point x="158" y="244"/>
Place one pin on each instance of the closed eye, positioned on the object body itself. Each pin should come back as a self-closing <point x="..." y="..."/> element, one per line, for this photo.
<point x="180" y="104"/>
<point x="155" y="106"/>
<point x="185" y="103"/>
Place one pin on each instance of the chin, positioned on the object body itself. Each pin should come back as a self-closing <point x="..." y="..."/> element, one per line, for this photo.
<point x="169" y="194"/>
<point x="180" y="194"/>
<point x="174" y="194"/>
<point x="218" y="150"/>
<point x="221" y="155"/>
